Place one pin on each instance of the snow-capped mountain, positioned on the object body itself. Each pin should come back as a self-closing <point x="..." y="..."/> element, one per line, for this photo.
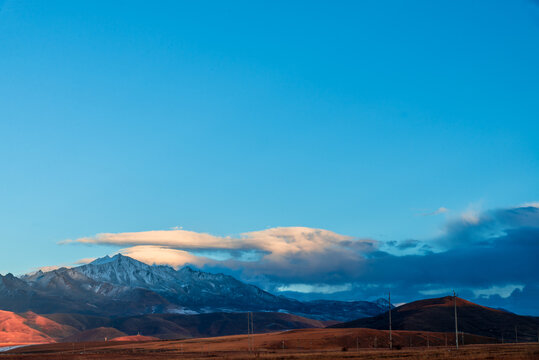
<point x="192" y="290"/>
<point x="121" y="285"/>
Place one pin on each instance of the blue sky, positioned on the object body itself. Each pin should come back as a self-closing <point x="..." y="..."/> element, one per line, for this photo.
<point x="232" y="117"/>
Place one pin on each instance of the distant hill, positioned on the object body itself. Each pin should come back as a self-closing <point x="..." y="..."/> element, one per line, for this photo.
<point x="31" y="328"/>
<point x="438" y="315"/>
<point x="176" y="326"/>
<point x="132" y="338"/>
<point x="170" y="326"/>
<point x="97" y="334"/>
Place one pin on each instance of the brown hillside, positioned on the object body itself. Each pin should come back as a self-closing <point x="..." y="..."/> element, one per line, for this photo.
<point x="45" y="325"/>
<point x="135" y="338"/>
<point x="438" y="315"/>
<point x="15" y="329"/>
<point x="98" y="334"/>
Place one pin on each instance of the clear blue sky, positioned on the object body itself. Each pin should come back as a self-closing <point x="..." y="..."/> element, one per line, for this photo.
<point x="229" y="116"/>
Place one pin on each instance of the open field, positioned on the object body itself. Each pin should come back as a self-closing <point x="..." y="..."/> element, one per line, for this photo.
<point x="521" y="351"/>
<point x="295" y="344"/>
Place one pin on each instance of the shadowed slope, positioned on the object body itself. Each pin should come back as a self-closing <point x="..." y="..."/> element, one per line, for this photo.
<point x="170" y="326"/>
<point x="177" y="326"/>
<point x="97" y="334"/>
<point x="438" y="315"/>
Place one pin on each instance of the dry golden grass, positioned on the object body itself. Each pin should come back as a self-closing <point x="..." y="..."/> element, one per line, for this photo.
<point x="468" y="352"/>
<point x="299" y="344"/>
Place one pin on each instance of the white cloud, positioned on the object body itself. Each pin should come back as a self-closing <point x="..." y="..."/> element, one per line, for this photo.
<point x="435" y="292"/>
<point x="470" y="216"/>
<point x="175" y="237"/>
<point x="315" y="288"/>
<point x="84" y="261"/>
<point x="275" y="242"/>
<point x="440" y="210"/>
<point x="151" y="254"/>
<point x="502" y="291"/>
<point x="47" y="268"/>
<point x="534" y="204"/>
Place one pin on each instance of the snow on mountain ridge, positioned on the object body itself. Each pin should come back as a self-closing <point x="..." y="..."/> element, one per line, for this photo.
<point x="102" y="260"/>
<point x="123" y="270"/>
<point x="186" y="287"/>
<point x="126" y="271"/>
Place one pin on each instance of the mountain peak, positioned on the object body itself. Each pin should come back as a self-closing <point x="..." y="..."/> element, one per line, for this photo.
<point x="102" y="260"/>
<point x="383" y="303"/>
<point x="118" y="258"/>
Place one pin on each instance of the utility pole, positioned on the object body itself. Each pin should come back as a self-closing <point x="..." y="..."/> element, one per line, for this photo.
<point x="456" y="325"/>
<point x="390" y="335"/>
<point x="250" y="331"/>
<point x="516" y="334"/>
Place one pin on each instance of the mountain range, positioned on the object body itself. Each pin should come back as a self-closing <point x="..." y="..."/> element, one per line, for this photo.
<point x="429" y="317"/>
<point x="121" y="286"/>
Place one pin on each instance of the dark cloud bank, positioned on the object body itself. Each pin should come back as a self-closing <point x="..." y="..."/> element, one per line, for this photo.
<point x="477" y="256"/>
